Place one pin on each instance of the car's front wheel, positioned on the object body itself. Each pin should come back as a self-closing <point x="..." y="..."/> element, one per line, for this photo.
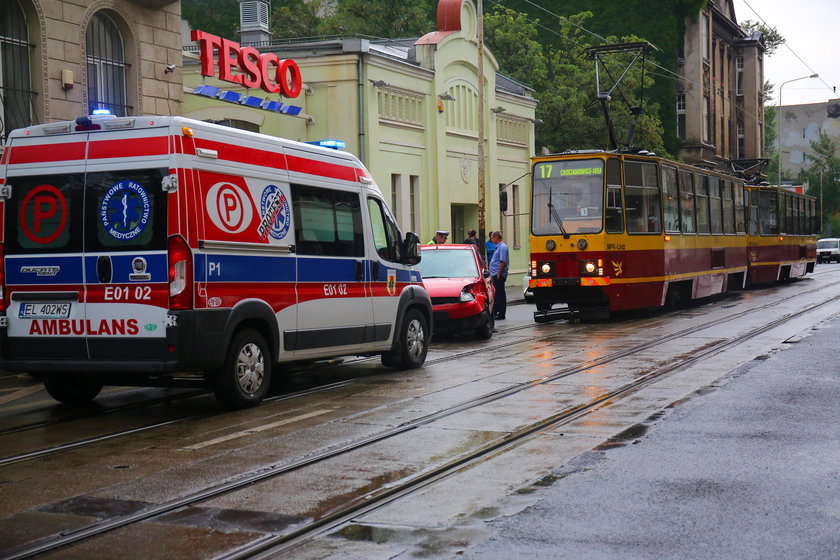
<point x="485" y="331"/>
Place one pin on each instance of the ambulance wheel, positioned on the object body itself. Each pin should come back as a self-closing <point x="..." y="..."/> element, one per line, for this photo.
<point x="244" y="379"/>
<point x="73" y="388"/>
<point x="413" y="343"/>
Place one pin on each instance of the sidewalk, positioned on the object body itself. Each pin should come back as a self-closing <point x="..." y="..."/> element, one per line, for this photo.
<point x="749" y="468"/>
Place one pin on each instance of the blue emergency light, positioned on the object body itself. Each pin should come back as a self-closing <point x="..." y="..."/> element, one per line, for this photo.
<point x="101" y="112"/>
<point x="334" y="144"/>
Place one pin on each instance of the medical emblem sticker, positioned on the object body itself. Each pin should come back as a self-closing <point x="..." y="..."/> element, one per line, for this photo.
<point x="274" y="207"/>
<point x="125" y="210"/>
<point x="392" y="281"/>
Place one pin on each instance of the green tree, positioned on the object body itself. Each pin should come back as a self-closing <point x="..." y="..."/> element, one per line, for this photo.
<point x="623" y="18"/>
<point x="219" y="17"/>
<point x="823" y="177"/>
<point x="772" y="38"/>
<point x="382" y="18"/>
<point x="563" y="79"/>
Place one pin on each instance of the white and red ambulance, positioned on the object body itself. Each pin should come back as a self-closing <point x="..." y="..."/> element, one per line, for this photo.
<point x="141" y="247"/>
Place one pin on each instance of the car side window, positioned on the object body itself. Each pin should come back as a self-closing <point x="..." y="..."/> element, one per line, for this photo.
<point x="327" y="222"/>
<point x="386" y="234"/>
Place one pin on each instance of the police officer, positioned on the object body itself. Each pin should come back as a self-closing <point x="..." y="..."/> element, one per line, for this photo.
<point x="439" y="238"/>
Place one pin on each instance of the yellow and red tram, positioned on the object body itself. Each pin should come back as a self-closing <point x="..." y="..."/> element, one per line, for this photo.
<point x="614" y="231"/>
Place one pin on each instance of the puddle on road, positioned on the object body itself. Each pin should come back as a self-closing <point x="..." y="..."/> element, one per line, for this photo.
<point x="620" y="440"/>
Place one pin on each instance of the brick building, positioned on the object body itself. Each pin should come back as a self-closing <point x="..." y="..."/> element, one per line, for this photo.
<point x="720" y="97"/>
<point x="64" y="58"/>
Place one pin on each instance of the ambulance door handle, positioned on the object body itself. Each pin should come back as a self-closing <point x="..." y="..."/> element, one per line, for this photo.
<point x="374" y="270"/>
<point x="360" y="271"/>
<point x="104" y="269"/>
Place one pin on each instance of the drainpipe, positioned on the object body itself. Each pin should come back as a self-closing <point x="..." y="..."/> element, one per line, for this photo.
<point x="360" y="69"/>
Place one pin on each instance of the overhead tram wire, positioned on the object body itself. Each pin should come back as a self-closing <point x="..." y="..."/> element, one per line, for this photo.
<point x="831" y="89"/>
<point x="671" y="74"/>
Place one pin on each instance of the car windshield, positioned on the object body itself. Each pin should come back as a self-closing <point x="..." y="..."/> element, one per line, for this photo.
<point x="828" y="244"/>
<point x="448" y="263"/>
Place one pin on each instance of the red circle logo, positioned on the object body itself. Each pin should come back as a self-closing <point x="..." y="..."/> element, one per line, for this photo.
<point x="43" y="214"/>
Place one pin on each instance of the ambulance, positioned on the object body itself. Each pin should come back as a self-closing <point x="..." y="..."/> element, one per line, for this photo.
<point x="142" y="250"/>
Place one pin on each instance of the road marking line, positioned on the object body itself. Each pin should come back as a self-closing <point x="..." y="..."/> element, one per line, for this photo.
<point x="257" y="429"/>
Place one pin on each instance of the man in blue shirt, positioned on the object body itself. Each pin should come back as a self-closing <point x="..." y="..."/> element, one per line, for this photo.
<point x="499" y="270"/>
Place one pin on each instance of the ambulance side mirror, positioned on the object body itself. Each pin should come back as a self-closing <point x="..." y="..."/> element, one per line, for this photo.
<point x="411" y="249"/>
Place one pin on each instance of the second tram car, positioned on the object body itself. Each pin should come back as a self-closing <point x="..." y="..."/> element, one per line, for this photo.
<point x="616" y="231"/>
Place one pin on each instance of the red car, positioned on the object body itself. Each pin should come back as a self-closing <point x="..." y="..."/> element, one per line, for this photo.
<point x="460" y="287"/>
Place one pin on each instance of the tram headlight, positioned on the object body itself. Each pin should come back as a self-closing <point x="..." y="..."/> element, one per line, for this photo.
<point x="545" y="269"/>
<point x="592" y="267"/>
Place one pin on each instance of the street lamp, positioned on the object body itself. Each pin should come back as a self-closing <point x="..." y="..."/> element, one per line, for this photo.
<point x="779" y="120"/>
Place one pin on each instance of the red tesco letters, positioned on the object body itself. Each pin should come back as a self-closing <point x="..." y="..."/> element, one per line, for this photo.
<point x="266" y="71"/>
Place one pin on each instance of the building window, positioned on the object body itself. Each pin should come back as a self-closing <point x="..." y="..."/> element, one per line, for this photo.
<point x="739" y="75"/>
<point x="414" y="201"/>
<point x="106" y="66"/>
<point x="681" y="116"/>
<point x="740" y="135"/>
<point x="704" y="35"/>
<point x="706" y="119"/>
<point x="395" y="189"/>
<point x="14" y="69"/>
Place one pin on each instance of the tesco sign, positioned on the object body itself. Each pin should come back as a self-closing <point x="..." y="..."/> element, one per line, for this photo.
<point x="267" y="71"/>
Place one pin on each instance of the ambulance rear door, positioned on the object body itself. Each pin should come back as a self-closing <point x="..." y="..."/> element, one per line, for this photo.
<point x="125" y="243"/>
<point x="43" y="246"/>
<point x="85" y="245"/>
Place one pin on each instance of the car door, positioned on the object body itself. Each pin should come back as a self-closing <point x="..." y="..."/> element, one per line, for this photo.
<point x="333" y="311"/>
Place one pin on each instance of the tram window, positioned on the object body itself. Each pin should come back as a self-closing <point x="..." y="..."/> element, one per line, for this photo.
<point x="641" y="193"/>
<point x="687" y="202"/>
<point x="800" y="229"/>
<point x="701" y="190"/>
<point x="615" y="210"/>
<point x="814" y="224"/>
<point x="715" y="208"/>
<point x="740" y="225"/>
<point x="768" y="210"/>
<point x="728" y="208"/>
<point x="752" y="200"/>
<point x="671" y="201"/>
<point x="785" y="214"/>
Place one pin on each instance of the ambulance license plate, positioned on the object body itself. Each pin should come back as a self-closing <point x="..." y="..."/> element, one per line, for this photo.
<point x="44" y="310"/>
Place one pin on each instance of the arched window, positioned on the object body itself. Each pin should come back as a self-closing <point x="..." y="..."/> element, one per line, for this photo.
<point x="15" y="94"/>
<point x="106" y="66"/>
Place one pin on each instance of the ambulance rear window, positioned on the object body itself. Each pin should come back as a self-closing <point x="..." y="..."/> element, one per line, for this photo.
<point x="129" y="210"/>
<point x="77" y="212"/>
<point x="41" y="216"/>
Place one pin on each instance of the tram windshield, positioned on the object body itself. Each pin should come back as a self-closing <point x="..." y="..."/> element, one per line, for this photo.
<point x="568" y="197"/>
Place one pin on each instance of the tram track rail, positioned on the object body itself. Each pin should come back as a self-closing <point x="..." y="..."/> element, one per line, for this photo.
<point x="377" y="498"/>
<point x="69" y="446"/>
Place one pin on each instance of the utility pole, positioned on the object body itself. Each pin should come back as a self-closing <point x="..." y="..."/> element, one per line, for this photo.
<point x="482" y="188"/>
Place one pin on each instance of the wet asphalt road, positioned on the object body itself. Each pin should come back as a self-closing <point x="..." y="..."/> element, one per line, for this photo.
<point x="748" y="469"/>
